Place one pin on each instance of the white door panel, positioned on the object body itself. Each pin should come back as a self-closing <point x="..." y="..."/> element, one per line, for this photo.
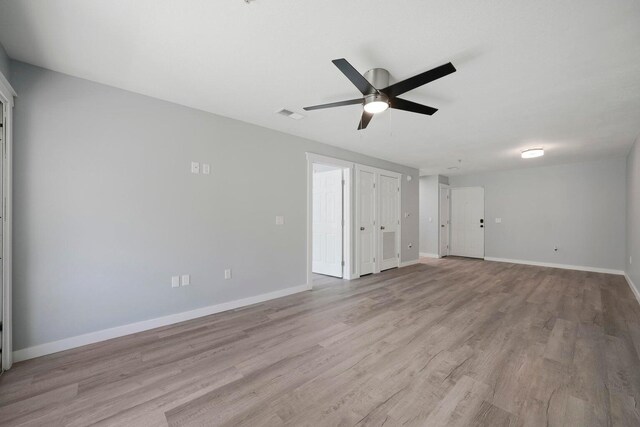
<point x="467" y="222"/>
<point x="327" y="223"/>
<point x="389" y="193"/>
<point x="366" y="221"/>
<point x="444" y="221"/>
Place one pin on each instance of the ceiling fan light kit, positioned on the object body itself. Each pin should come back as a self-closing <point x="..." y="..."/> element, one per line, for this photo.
<point x="532" y="153"/>
<point x="378" y="95"/>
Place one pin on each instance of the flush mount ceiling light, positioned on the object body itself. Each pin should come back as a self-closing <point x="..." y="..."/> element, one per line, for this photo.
<point x="532" y="152"/>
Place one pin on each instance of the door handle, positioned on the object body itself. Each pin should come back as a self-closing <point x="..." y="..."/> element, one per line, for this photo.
<point x="442" y="226"/>
<point x="361" y="228"/>
<point x="382" y="227"/>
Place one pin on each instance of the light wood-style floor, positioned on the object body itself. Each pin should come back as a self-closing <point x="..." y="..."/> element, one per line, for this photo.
<point x="444" y="343"/>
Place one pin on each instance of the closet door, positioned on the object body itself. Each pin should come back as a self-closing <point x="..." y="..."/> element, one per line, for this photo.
<point x="389" y="227"/>
<point x="366" y="221"/>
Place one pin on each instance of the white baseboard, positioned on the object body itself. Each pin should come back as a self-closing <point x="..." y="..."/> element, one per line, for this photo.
<point x="428" y="255"/>
<point x="132" y="328"/>
<point x="635" y="290"/>
<point x="563" y="266"/>
<point x="408" y="263"/>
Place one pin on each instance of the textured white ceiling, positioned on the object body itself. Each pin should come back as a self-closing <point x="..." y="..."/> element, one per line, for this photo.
<point x="564" y="75"/>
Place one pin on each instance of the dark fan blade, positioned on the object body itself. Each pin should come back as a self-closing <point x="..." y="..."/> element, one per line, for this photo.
<point x="403" y="104"/>
<point x="335" y="104"/>
<point x="364" y="121"/>
<point x="418" y="80"/>
<point x="356" y="78"/>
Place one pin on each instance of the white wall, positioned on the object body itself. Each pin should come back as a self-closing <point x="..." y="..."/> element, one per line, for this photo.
<point x="578" y="207"/>
<point x="633" y="216"/>
<point x="106" y="210"/>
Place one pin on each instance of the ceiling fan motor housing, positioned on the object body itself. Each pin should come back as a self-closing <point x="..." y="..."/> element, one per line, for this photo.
<point x="378" y="77"/>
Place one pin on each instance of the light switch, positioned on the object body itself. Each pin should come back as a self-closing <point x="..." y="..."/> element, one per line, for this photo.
<point x="175" y="281"/>
<point x="195" y="167"/>
<point x="185" y="280"/>
<point x="206" y="168"/>
<point x="498" y="220"/>
<point x="279" y="220"/>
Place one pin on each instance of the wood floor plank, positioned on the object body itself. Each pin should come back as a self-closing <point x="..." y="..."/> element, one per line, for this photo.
<point x="449" y="341"/>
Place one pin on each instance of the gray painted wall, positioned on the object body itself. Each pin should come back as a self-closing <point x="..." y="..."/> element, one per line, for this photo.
<point x="430" y="208"/>
<point x="4" y="63"/>
<point x="633" y="215"/>
<point x="106" y="210"/>
<point x="578" y="207"/>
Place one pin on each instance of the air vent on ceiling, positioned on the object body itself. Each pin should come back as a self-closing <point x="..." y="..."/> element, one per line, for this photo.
<point x="290" y="114"/>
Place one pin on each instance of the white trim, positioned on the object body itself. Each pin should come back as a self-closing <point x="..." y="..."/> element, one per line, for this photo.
<point x="145" y="325"/>
<point x="440" y="188"/>
<point x="348" y="172"/>
<point x="408" y="263"/>
<point x="635" y="290"/>
<point x="552" y="265"/>
<point x="428" y="255"/>
<point x="5" y="87"/>
<point x="6" y="96"/>
<point x="398" y="177"/>
<point x="330" y="161"/>
<point x="374" y="171"/>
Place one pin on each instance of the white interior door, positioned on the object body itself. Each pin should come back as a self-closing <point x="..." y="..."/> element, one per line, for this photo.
<point x="366" y="221"/>
<point x="327" y="222"/>
<point x="467" y="222"/>
<point x="444" y="222"/>
<point x="388" y="233"/>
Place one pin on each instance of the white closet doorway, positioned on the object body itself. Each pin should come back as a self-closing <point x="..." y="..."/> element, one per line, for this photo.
<point x="467" y="222"/>
<point x="389" y="229"/>
<point x="377" y="220"/>
<point x="366" y="220"/>
<point x="329" y="218"/>
<point x="328" y="211"/>
<point x="445" y="220"/>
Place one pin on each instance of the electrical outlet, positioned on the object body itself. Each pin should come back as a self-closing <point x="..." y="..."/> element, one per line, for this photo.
<point x="175" y="281"/>
<point x="279" y="220"/>
<point x="185" y="280"/>
<point x="195" y="167"/>
<point x="227" y="274"/>
<point x="206" y="168"/>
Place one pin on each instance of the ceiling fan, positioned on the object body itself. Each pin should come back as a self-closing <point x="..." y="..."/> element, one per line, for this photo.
<point x="378" y="95"/>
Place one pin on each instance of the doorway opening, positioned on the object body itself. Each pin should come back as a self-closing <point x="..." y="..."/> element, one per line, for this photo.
<point x="329" y="221"/>
<point x="467" y="222"/>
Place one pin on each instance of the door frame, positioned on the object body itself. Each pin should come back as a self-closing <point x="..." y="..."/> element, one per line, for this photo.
<point x="376" y="214"/>
<point x="347" y="209"/>
<point x="398" y="212"/>
<point x="6" y="96"/>
<point x="442" y="187"/>
<point x="356" y="225"/>
<point x="484" y="213"/>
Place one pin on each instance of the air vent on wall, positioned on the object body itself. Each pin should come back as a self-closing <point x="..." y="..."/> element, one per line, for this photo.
<point x="290" y="114"/>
